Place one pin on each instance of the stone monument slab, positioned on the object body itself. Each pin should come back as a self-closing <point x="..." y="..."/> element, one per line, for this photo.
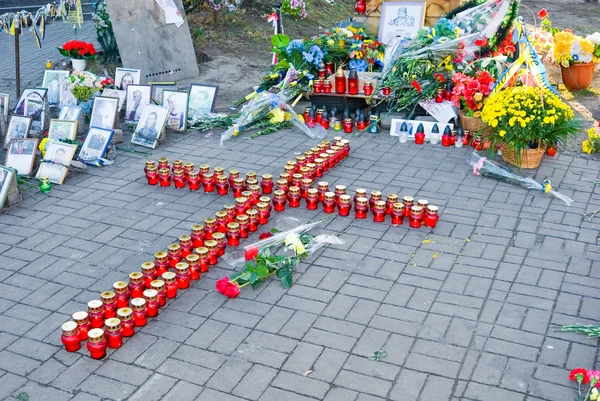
<point x="164" y="52"/>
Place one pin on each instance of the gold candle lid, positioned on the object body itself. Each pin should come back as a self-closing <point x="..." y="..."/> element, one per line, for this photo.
<point x="160" y="255"/>
<point x="398" y="206"/>
<point x="211" y="244"/>
<point x="282" y="183"/>
<point x="340" y="188"/>
<point x="158" y="285"/>
<point x="95" y="305"/>
<point x="228" y="207"/>
<point x="252" y="212"/>
<point x="265" y="199"/>
<point x="196" y="228"/>
<point x="361" y="200"/>
<point x="112" y="324"/>
<point x="242" y="218"/>
<point x="323" y="184"/>
<point x="219" y="171"/>
<point x="376" y="194"/>
<point x="250" y="182"/>
<point x="239" y="182"/>
<point x="319" y="162"/>
<point x="361" y="192"/>
<point x="312" y="192"/>
<point x="124" y="314"/>
<point x="203" y="251"/>
<point x="95" y="335"/>
<point x="108" y="297"/>
<point x="177" y="162"/>
<point x="162" y="171"/>
<point x="392" y="197"/>
<point x="221" y="178"/>
<point x="279" y="193"/>
<point x="416" y="209"/>
<point x="297" y="177"/>
<point x="221" y="215"/>
<point x="147" y="267"/>
<point x="345" y="198"/>
<point x="182" y="267"/>
<point x="174" y="247"/>
<point x="219" y="237"/>
<point x="247" y="195"/>
<point x="432" y="209"/>
<point x="250" y="174"/>
<point x="120" y="286"/>
<point x="168" y="277"/>
<point x="136" y="277"/>
<point x="80" y="317"/>
<point x="233" y="227"/>
<point x="150" y="295"/>
<point x="234" y="173"/>
<point x="379" y="204"/>
<point x="210" y="222"/>
<point x="241" y="200"/>
<point x="408" y="199"/>
<point x="150" y="162"/>
<point x="188" y="166"/>
<point x="345" y="141"/>
<point x="204" y="168"/>
<point x="138" y="303"/>
<point x="307" y="182"/>
<point x="294" y="190"/>
<point x="193" y="259"/>
<point x="423" y="203"/>
<point x="329" y="195"/>
<point x="69" y="328"/>
<point x="262" y="206"/>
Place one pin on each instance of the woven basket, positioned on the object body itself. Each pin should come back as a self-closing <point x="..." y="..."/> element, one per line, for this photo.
<point x="529" y="158"/>
<point x="471" y="124"/>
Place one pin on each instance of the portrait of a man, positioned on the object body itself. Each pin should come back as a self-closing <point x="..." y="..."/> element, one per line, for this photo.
<point x="177" y="104"/>
<point x="60" y="130"/>
<point x="58" y="157"/>
<point x="95" y="145"/>
<point x="150" y="126"/>
<point x="138" y="96"/>
<point x="104" y="112"/>
<point x="18" y="128"/>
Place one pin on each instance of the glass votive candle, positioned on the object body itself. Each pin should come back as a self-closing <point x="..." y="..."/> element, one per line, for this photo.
<point x="222" y="185"/>
<point x="182" y="275"/>
<point x="282" y="185"/>
<point x="122" y="293"/>
<point x="170" y="284"/>
<point x="319" y="167"/>
<point x="267" y="183"/>
<point x="83" y="324"/>
<point x="125" y="315"/>
<point x="210" y="227"/>
<point x="149" y="164"/>
<point x="174" y="255"/>
<point x="193" y="261"/>
<point x="431" y="217"/>
<point x="312" y="199"/>
<point x="279" y="200"/>
<point x="177" y="165"/>
<point x="203" y="169"/>
<point x="96" y="313"/>
<point x="96" y="343"/>
<point x="294" y="197"/>
<point x="179" y="179"/>
<point x="238" y="187"/>
<point x="339" y="190"/>
<point x="161" y="265"/>
<point x="148" y="273"/>
<point x="152" y="302"/>
<point x="375" y="196"/>
<point x="163" y="162"/>
<point x="359" y="193"/>
<point x="361" y="207"/>
<point x="263" y="212"/>
<point x="254" y="194"/>
<point x="408" y="202"/>
<point x="250" y="175"/>
<point x="344" y="205"/>
<point x="70" y="337"/>
<point x="397" y="214"/>
<point x="152" y="176"/>
<point x="378" y="211"/>
<point x="112" y="331"/>
<point x="222" y="220"/>
<point x="194" y="181"/>
<point x="109" y="300"/>
<point x="252" y="219"/>
<point x="140" y="315"/>
<point x="202" y="252"/>
<point x="164" y="177"/>
<point x="233" y="174"/>
<point x="322" y="188"/>
<point x="423" y="203"/>
<point x="230" y="210"/>
<point x="267" y="200"/>
<point x="159" y="287"/>
<point x="389" y="203"/>
<point x="221" y="243"/>
<point x="219" y="171"/>
<point x="136" y="284"/>
<point x="233" y="234"/>
<point x="208" y="183"/>
<point x="329" y="202"/>
<point x="297" y="180"/>
<point x="187" y="168"/>
<point x="186" y="245"/>
<point x="242" y="220"/>
<point x="416" y="216"/>
<point x="240" y="205"/>
<point x="305" y="186"/>
<point x="213" y="252"/>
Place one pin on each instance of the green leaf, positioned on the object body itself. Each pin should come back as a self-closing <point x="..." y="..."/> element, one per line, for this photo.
<point x="22" y="396"/>
<point x="253" y="277"/>
<point x="235" y="275"/>
<point x="256" y="284"/>
<point x="286" y="280"/>
<point x="267" y="252"/>
<point x="280" y="40"/>
<point x="262" y="271"/>
<point x="282" y="272"/>
<point x="377" y="355"/>
<point x="274" y="231"/>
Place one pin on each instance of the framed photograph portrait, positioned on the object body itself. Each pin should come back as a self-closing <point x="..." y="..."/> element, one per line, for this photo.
<point x="53" y="81"/>
<point x="104" y="112"/>
<point x="176" y="102"/>
<point x="400" y="19"/>
<point x="38" y="94"/>
<point x="58" y="156"/>
<point x="6" y="177"/>
<point x="70" y="113"/>
<point x="116" y="93"/>
<point x="150" y="126"/>
<point x="126" y="76"/>
<point x="35" y="110"/>
<point x="95" y="145"/>
<point x="62" y="129"/>
<point x="202" y="99"/>
<point x="158" y="88"/>
<point x="138" y="96"/>
<point x="21" y="155"/>
<point x="4" y="98"/>
<point x="18" y="128"/>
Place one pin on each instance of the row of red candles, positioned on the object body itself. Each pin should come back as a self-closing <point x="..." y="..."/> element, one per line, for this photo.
<point x="130" y="304"/>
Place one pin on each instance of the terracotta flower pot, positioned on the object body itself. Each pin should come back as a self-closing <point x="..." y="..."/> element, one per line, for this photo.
<point x="578" y="76"/>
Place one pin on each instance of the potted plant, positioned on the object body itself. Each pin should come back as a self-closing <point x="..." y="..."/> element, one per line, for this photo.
<point x="524" y="120"/>
<point x="469" y="94"/>
<point x="79" y="52"/>
<point x="577" y="57"/>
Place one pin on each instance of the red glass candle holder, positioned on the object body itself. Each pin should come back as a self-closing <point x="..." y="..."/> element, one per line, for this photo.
<point x="127" y="323"/>
<point x="348" y="125"/>
<point x="431" y="217"/>
<point x="97" y="344"/>
<point x="238" y="187"/>
<point x="360" y="6"/>
<point x="329" y="202"/>
<point x="149" y="275"/>
<point x="296" y="180"/>
<point x="416" y="216"/>
<point x="70" y="337"/>
<point x="282" y="185"/>
<point x="204" y="261"/>
<point x="279" y="200"/>
<point x="159" y="287"/>
<point x="179" y="179"/>
<point x="188" y="168"/>
<point x="208" y="183"/>
<point x="312" y="199"/>
<point x="210" y="227"/>
<point x="368" y="88"/>
<point x="203" y="169"/>
<point x="109" y="300"/>
<point x="152" y="176"/>
<point x="170" y="284"/>
<point x="177" y="165"/>
<point x="408" y="202"/>
<point x="221" y="243"/>
<point x="240" y="205"/>
<point x="230" y="210"/>
<point x="251" y="178"/>
<point x="174" y="256"/>
<point x="96" y="313"/>
<point x="447" y="140"/>
<point x="252" y="220"/>
<point x="267" y="184"/>
<point x="344" y="205"/>
<point x="294" y="197"/>
<point x="339" y="191"/>
<point x="361" y="207"/>
<point x="149" y="164"/>
<point x="419" y="138"/>
<point x="164" y="177"/>
<point x="233" y="174"/>
<point x="317" y="86"/>
<point x="255" y="192"/>
<point x="222" y="220"/>
<point x="389" y="203"/>
<point x="327" y="86"/>
<point x="359" y="193"/>
<point x="322" y="188"/>
<point x="213" y="252"/>
<point x="163" y="162"/>
<point x="136" y="284"/>
<point x="378" y="211"/>
<point x="340" y="81"/>
<point x="83" y="324"/>
<point x="112" y="331"/>
<point x="375" y="196"/>
<point x="194" y="181"/>
<point x="397" y="214"/>
<point x="140" y="315"/>
<point x="161" y="265"/>
<point x="353" y="82"/>
<point x="193" y="261"/>
<point x="329" y="68"/>
<point x="319" y="169"/>
<point x="242" y="220"/>
<point x="267" y="201"/>
<point x="305" y="186"/>
<point x="551" y="151"/>
<point x="222" y="185"/>
<point x="152" y="302"/>
<point x="233" y="234"/>
<point x="122" y="293"/>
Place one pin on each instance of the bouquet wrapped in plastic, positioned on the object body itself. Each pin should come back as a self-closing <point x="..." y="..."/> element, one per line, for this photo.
<point x="489" y="168"/>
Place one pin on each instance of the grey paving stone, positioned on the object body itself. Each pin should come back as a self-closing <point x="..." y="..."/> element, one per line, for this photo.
<point x="107" y="388"/>
<point x="255" y="382"/>
<point x="183" y="391"/>
<point x="155" y="388"/>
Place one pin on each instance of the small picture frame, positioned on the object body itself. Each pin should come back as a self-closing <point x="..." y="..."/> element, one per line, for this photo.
<point x="38" y="94"/>
<point x="138" y="96"/>
<point x="201" y="100"/>
<point x="4" y="104"/>
<point x="176" y="102"/>
<point x="95" y="145"/>
<point x="70" y="113"/>
<point x="158" y="88"/>
<point x="7" y="177"/>
<point x="54" y="165"/>
<point x="35" y="110"/>
<point x="150" y="126"/>
<point x="116" y="93"/>
<point x="104" y="112"/>
<point x="61" y="130"/>
<point x="126" y="76"/>
<point x="400" y="19"/>
<point x="21" y="155"/>
<point x="53" y="81"/>
<point x="18" y="128"/>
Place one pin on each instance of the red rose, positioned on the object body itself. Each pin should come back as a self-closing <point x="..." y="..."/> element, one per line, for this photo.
<point x="265" y="235"/>
<point x="579" y="375"/>
<point x="485" y="78"/>
<point x="227" y="287"/>
<point x="416" y="85"/>
<point x="232" y="291"/>
<point x="542" y="13"/>
<point x="471" y="104"/>
<point x="250" y="253"/>
<point x="481" y="42"/>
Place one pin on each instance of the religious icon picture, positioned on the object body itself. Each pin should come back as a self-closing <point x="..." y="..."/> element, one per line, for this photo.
<point x="95" y="145"/>
<point x="176" y="102"/>
<point x="54" y="165"/>
<point x="18" y="128"/>
<point x="400" y="19"/>
<point x="116" y="93"/>
<point x="53" y="81"/>
<point x="202" y="100"/>
<point x="138" y="96"/>
<point x="21" y="155"/>
<point x="125" y="77"/>
<point x="104" y="112"/>
<point x="61" y="130"/>
<point x="150" y="126"/>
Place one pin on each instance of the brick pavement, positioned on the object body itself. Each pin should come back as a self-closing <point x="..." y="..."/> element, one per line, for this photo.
<point x="467" y="316"/>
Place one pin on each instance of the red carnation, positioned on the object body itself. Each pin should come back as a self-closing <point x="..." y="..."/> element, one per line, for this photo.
<point x="265" y="235"/>
<point x="485" y="78"/>
<point x="542" y="13"/>
<point x="250" y="253"/>
<point x="439" y="77"/>
<point x="481" y="42"/>
<point x="81" y="52"/>
<point x="579" y="375"/>
<point x="416" y="85"/>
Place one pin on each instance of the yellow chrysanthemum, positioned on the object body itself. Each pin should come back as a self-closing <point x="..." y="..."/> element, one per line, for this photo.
<point x="277" y="116"/>
<point x="586" y="147"/>
<point x="502" y="133"/>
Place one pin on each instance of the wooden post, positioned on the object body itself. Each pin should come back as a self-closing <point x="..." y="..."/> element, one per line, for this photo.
<point x="17" y="62"/>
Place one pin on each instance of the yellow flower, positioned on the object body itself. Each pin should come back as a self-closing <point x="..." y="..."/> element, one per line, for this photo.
<point x="502" y="133"/>
<point x="341" y="43"/>
<point x="42" y="146"/>
<point x="330" y="42"/>
<point x="301" y="117"/>
<point x="352" y="29"/>
<point x="277" y="116"/>
<point x="287" y="116"/>
<point x="586" y="147"/>
<point x="478" y="96"/>
<point x="477" y="114"/>
<point x="292" y="241"/>
<point x="565" y="63"/>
